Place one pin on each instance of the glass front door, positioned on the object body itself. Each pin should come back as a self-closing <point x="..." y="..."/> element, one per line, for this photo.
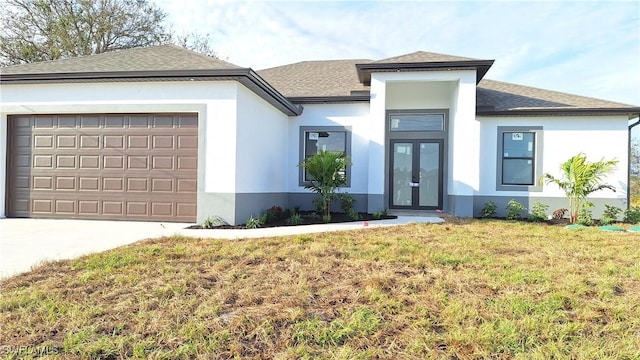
<point x="416" y="174"/>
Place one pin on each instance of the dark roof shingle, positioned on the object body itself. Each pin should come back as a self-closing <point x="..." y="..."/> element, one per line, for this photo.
<point x="422" y="57"/>
<point x="504" y="96"/>
<point x="152" y="58"/>
<point x="316" y="78"/>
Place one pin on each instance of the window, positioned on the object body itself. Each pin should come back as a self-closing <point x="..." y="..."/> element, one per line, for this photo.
<point x="416" y="122"/>
<point x="329" y="138"/>
<point x="519" y="165"/>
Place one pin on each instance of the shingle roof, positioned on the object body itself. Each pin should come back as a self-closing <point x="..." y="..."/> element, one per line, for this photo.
<point x="505" y="96"/>
<point x="153" y="58"/>
<point x="309" y="79"/>
<point x="422" y="57"/>
<point x="316" y="78"/>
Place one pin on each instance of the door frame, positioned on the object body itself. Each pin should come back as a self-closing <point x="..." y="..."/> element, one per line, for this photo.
<point x="415" y="160"/>
<point x="426" y="136"/>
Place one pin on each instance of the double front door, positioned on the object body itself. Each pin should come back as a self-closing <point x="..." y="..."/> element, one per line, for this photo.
<point x="416" y="174"/>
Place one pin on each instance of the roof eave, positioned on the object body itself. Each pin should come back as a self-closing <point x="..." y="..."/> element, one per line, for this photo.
<point x="329" y="99"/>
<point x="629" y="111"/>
<point x="246" y="76"/>
<point x="481" y="67"/>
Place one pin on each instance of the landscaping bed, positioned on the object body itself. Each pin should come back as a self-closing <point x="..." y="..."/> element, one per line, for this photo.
<point x="307" y="218"/>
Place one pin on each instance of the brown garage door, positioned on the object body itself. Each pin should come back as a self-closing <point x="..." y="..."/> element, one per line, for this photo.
<point x="103" y="166"/>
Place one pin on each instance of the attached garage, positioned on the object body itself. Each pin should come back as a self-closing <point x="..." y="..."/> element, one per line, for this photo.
<point x="103" y="166"/>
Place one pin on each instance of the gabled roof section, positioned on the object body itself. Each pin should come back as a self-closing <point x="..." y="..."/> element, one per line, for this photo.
<point x="154" y="63"/>
<point x="422" y="57"/>
<point x="501" y="98"/>
<point x="423" y="61"/>
<point x="333" y="78"/>
<point x="153" y="58"/>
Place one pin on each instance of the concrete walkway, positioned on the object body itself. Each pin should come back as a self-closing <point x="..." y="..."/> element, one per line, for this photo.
<point x="28" y="242"/>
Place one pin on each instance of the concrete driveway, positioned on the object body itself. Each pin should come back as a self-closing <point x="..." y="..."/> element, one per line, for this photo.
<point x="28" y="242"/>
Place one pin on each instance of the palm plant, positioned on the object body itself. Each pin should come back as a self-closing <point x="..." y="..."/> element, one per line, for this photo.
<point x="327" y="173"/>
<point x="579" y="179"/>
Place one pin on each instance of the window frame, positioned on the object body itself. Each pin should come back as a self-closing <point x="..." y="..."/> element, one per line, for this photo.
<point x="537" y="132"/>
<point x="302" y="150"/>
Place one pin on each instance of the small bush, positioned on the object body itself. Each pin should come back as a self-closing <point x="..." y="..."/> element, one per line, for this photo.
<point x="489" y="210"/>
<point x="353" y="215"/>
<point x="274" y="213"/>
<point x="295" y="219"/>
<point x="347" y="202"/>
<point x="213" y="221"/>
<point x="559" y="213"/>
<point x="377" y="215"/>
<point x="610" y="215"/>
<point x="319" y="205"/>
<point x="632" y="215"/>
<point x="326" y="218"/>
<point x="538" y="212"/>
<point x="254" y="223"/>
<point x="514" y="210"/>
<point x="585" y="217"/>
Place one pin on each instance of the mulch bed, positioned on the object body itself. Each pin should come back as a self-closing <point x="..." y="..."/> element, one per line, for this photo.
<point x="308" y="218"/>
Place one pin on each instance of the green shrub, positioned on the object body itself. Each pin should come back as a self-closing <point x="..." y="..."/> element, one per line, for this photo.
<point x="538" y="212"/>
<point x="489" y="210"/>
<point x="347" y="202"/>
<point x="353" y="214"/>
<point x="514" y="210"/>
<point x="632" y="215"/>
<point x="319" y="206"/>
<point x="254" y="223"/>
<point x="213" y="221"/>
<point x="585" y="217"/>
<point x="274" y="213"/>
<point x="326" y="218"/>
<point x="295" y="219"/>
<point x="610" y="215"/>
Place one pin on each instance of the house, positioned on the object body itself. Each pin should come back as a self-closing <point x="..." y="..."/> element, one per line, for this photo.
<point x="162" y="133"/>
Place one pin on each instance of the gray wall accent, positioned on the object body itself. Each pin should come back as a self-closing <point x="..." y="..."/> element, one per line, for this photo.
<point x="256" y="204"/>
<point x="216" y="204"/>
<point x="538" y="151"/>
<point x="375" y="202"/>
<point x="460" y="205"/>
<point x="305" y="201"/>
<point x="301" y="142"/>
<point x="553" y="202"/>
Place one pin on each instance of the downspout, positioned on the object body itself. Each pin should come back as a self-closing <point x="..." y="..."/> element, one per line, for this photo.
<point x="629" y="163"/>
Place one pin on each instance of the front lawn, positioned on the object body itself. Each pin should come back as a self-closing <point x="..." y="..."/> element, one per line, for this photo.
<point x="458" y="290"/>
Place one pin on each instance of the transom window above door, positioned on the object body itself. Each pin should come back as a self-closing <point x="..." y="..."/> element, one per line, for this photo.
<point x="416" y="122"/>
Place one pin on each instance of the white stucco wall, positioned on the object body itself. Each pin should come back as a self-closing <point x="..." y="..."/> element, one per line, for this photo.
<point x="262" y="146"/>
<point x="215" y="103"/>
<point x="563" y="137"/>
<point x="453" y="90"/>
<point x="353" y="115"/>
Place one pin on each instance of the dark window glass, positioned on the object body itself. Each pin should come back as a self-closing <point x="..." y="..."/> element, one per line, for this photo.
<point x="518" y="158"/>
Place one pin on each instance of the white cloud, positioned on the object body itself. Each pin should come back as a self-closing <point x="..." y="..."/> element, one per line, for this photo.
<point x="587" y="48"/>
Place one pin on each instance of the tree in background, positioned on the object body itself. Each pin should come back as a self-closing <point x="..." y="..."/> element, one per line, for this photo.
<point x="197" y="42"/>
<point x="579" y="179"/>
<point x="39" y="30"/>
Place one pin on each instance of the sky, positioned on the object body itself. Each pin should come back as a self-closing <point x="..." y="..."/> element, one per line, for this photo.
<point x="589" y="48"/>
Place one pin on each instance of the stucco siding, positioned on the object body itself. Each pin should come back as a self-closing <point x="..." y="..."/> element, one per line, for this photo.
<point x="563" y="137"/>
<point x="353" y="116"/>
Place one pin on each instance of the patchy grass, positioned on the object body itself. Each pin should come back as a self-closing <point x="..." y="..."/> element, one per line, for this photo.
<point x="460" y="290"/>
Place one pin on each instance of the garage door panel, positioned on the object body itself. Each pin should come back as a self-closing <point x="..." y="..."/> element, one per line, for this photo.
<point x="118" y="166"/>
